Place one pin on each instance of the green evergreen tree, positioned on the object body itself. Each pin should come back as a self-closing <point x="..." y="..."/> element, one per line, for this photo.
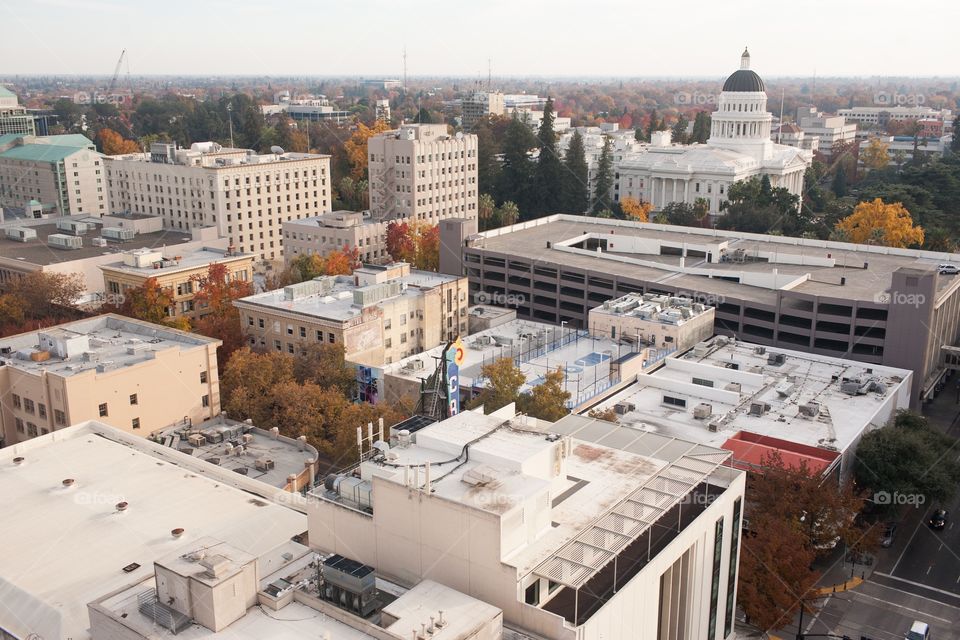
<point x="518" y="171"/>
<point x="701" y="128"/>
<point x="488" y="166"/>
<point x="576" y="194"/>
<point x="548" y="197"/>
<point x="638" y="134"/>
<point x="604" y="182"/>
<point x="653" y="125"/>
<point x="679" y="133"/>
<point x="955" y="142"/>
<point x="840" y="181"/>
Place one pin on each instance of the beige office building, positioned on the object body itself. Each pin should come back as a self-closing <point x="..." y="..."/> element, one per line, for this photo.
<point x="337" y="231"/>
<point x="380" y="314"/>
<point x="133" y="375"/>
<point x="421" y="173"/>
<point x="479" y="105"/>
<point x="657" y="321"/>
<point x="174" y="270"/>
<point x="62" y="174"/>
<point x="14" y="118"/>
<point x="245" y="195"/>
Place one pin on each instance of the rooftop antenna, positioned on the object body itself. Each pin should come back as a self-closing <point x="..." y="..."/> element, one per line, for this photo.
<point x="404" y="68"/>
<point x="489" y="75"/>
<point x="230" y="119"/>
<point x="780" y="128"/>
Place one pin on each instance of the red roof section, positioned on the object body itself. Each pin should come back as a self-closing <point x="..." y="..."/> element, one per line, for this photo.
<point x="751" y="449"/>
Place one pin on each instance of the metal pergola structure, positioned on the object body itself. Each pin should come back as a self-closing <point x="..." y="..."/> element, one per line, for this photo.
<point x="602" y="541"/>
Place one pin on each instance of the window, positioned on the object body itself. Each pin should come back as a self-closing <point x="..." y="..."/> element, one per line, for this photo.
<point x="41" y="410"/>
<point x="303" y="332"/>
<point x="203" y="377"/>
<point x="331" y="337"/>
<point x="135" y="423"/>
<point x="19" y="423"/>
<point x="31" y="430"/>
<point x="133" y="398"/>
<point x="16" y="401"/>
<point x="28" y="405"/>
<point x="103" y="410"/>
<point x="206" y="401"/>
<point x="732" y="568"/>
<point x="59" y="417"/>
<point x="260" y="322"/>
<point x="531" y="594"/>
<point x="715" y="586"/>
<point x="703" y="382"/>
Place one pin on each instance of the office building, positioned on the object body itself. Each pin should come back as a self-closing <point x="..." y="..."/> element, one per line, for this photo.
<point x="14" y="118"/>
<point x="244" y="195"/>
<point x="830" y="131"/>
<point x="382" y="110"/>
<point x="132" y="375"/>
<point x="880" y="116"/>
<point x="576" y="529"/>
<point x="652" y="320"/>
<point x="337" y="231"/>
<point x="756" y="401"/>
<point x="479" y="105"/>
<point x="379" y="314"/>
<point x="902" y="149"/>
<point x="868" y="303"/>
<point x="793" y="136"/>
<point x="420" y="173"/>
<point x="175" y="271"/>
<point x="63" y="174"/>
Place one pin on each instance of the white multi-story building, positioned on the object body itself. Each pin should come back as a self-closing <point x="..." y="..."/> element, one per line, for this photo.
<point x="247" y="196"/>
<point x="575" y="530"/>
<point x="337" y="231"/>
<point x="739" y="148"/>
<point x="14" y="118"/>
<point x="829" y="130"/>
<point x="622" y="144"/>
<point x="880" y="116"/>
<point x="480" y="104"/>
<point x="382" y="109"/>
<point x="421" y="173"/>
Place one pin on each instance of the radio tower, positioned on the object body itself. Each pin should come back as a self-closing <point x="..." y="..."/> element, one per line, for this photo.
<point x="404" y="68"/>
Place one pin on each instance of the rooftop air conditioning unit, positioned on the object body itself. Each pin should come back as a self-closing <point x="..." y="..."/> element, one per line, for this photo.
<point x="118" y="233"/>
<point x="713" y="426"/>
<point x="21" y="234"/>
<point x="701" y="349"/>
<point x="732" y="386"/>
<point x="776" y="359"/>
<point x="197" y="440"/>
<point x="760" y="350"/>
<point x="784" y="389"/>
<point x="759" y="408"/>
<point x="264" y="464"/>
<point x="623" y="408"/>
<point x="702" y="411"/>
<point x="810" y="409"/>
<point x="63" y="241"/>
<point x="99" y="242"/>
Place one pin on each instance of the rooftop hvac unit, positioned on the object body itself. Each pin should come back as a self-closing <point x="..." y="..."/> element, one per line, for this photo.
<point x="776" y="359"/>
<point x="760" y="350"/>
<point x="810" y="409"/>
<point x="759" y="408"/>
<point x="713" y="426"/>
<point x="21" y="234"/>
<point x="99" y="242"/>
<point x="247" y="438"/>
<point x="75" y="227"/>
<point x="264" y="464"/>
<point x="702" y="411"/>
<point x="212" y="436"/>
<point x="483" y="340"/>
<point x="784" y="389"/>
<point x="63" y="241"/>
<point x="701" y="349"/>
<point x="349" y="585"/>
<point x="197" y="440"/>
<point x="119" y="234"/>
<point x="623" y="408"/>
<point x="732" y="386"/>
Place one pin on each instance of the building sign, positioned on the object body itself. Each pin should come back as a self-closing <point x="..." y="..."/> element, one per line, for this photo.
<point x="453" y="358"/>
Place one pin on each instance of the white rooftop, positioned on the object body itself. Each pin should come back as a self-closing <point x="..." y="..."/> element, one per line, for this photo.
<point x="66" y="546"/>
<point x="157" y="262"/>
<point x="106" y="342"/>
<point x="652" y="307"/>
<point x="702" y="376"/>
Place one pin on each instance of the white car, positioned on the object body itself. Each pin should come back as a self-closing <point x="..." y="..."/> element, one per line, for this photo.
<point x="948" y="269"/>
<point x="919" y="631"/>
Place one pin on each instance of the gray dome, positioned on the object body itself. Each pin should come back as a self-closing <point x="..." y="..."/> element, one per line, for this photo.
<point x="744" y="80"/>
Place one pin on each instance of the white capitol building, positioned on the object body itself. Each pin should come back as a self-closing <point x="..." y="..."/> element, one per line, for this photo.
<point x="738" y="149"/>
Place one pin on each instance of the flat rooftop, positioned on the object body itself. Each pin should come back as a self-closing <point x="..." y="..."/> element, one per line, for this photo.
<point x="338" y="304"/>
<point x="67" y="546"/>
<point x="174" y="261"/>
<point x="37" y="251"/>
<point x="536" y="348"/>
<point x="652" y="308"/>
<point x="805" y="266"/>
<point x="265" y="457"/>
<point x="703" y="376"/>
<point x="113" y="341"/>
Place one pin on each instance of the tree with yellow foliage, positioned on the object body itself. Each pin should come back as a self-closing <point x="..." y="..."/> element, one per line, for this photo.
<point x="876" y="155"/>
<point x="636" y="210"/>
<point x="880" y="223"/>
<point x="356" y="147"/>
<point x="113" y="144"/>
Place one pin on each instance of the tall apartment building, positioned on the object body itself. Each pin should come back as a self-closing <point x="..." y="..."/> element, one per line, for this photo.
<point x="133" y="375"/>
<point x="174" y="270"/>
<point x="380" y="314"/>
<point x="867" y="303"/>
<point x="14" y="118"/>
<point x="245" y="195"/>
<point x="421" y="173"/>
<point x="64" y="174"/>
<point x="479" y="105"/>
<point x="337" y="231"/>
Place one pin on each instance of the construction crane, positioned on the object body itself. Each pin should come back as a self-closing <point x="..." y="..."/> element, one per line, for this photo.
<point x="116" y="71"/>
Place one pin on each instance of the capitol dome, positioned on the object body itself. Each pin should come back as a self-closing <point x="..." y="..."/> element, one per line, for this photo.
<point x="744" y="80"/>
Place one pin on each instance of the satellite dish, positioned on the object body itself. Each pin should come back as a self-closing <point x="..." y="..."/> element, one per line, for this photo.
<point x="459" y="135"/>
<point x="277" y="150"/>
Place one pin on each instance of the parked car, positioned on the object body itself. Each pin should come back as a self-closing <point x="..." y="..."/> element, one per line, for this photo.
<point x="889" y="531"/>
<point x="919" y="631"/>
<point x="939" y="519"/>
<point x="948" y="269"/>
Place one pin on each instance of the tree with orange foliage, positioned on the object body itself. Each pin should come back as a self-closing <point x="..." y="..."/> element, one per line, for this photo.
<point x="877" y="222"/>
<point x="213" y="303"/>
<point x="636" y="210"/>
<point x="401" y="243"/>
<point x="417" y="244"/>
<point x="113" y="144"/>
<point x="335" y="263"/>
<point x="149" y="302"/>
<point x="356" y="147"/>
<point x="428" y="248"/>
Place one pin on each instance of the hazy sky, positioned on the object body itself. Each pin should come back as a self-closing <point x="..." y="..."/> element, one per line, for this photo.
<point x="520" y="37"/>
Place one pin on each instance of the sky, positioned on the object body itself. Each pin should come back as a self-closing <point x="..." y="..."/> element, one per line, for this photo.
<point x="456" y="38"/>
